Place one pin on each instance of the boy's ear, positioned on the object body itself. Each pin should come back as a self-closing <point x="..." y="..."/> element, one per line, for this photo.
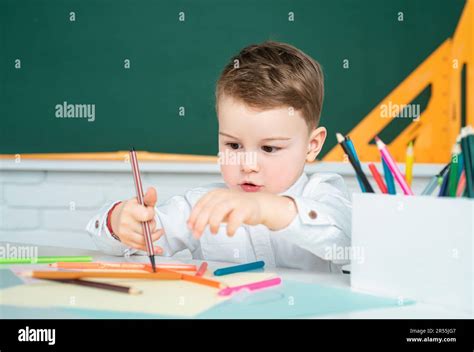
<point x="315" y="143"/>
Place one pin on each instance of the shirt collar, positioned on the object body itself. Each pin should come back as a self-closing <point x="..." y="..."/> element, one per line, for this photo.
<point x="297" y="187"/>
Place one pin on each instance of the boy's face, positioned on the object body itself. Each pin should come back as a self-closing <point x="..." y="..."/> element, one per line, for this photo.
<point x="264" y="150"/>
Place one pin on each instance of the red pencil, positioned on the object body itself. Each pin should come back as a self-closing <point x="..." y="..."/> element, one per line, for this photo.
<point x="140" y="197"/>
<point x="378" y="178"/>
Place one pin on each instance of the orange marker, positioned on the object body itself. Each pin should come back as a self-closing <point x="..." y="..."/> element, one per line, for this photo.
<point x="175" y="267"/>
<point x="170" y="275"/>
<point x="202" y="281"/>
<point x="196" y="279"/>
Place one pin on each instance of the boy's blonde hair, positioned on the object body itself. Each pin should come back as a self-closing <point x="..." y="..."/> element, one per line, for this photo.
<point x="271" y="75"/>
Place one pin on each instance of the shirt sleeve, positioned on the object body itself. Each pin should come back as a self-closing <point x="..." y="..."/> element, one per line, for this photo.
<point x="98" y="231"/>
<point x="322" y="225"/>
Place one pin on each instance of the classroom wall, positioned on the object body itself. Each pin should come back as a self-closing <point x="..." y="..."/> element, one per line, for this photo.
<point x="49" y="202"/>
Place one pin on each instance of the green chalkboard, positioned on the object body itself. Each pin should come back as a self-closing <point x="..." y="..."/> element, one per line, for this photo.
<point x="173" y="64"/>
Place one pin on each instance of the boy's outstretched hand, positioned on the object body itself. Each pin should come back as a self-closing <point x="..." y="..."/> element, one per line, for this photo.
<point x="127" y="219"/>
<point x="237" y="208"/>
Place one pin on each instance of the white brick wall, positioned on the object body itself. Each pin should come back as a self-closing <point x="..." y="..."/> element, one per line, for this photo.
<point x="50" y="203"/>
<point x="19" y="219"/>
<point x="53" y="195"/>
<point x="1" y="191"/>
<point x="28" y="177"/>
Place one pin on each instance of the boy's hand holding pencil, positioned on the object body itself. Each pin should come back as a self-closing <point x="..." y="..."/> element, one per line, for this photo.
<point x="128" y="216"/>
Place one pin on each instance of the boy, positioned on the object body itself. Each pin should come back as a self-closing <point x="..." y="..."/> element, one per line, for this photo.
<point x="268" y="102"/>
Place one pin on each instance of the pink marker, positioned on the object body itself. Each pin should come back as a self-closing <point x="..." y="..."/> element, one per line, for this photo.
<point x="251" y="287"/>
<point x="393" y="167"/>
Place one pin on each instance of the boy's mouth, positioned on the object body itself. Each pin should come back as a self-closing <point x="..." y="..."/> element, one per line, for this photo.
<point x="250" y="187"/>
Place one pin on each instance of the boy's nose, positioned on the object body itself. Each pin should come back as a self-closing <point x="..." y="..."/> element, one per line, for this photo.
<point x="249" y="166"/>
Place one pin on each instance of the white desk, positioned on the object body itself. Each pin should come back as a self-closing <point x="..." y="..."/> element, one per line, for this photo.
<point x="415" y="311"/>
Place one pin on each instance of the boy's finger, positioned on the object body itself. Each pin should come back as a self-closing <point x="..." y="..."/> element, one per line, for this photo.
<point x="213" y="195"/>
<point x="218" y="214"/>
<point x="236" y="218"/>
<point x="202" y="220"/>
<point x="135" y="245"/>
<point x="208" y="204"/>
<point x="137" y="241"/>
<point x="137" y="226"/>
<point x="150" y="197"/>
<point x="152" y="224"/>
<point x="141" y="213"/>
<point x="196" y="210"/>
<point x="138" y="246"/>
<point x="155" y="236"/>
<point x="137" y="238"/>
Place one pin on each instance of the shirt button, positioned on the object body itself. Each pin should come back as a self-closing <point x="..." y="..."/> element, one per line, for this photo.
<point x="312" y="214"/>
<point x="97" y="224"/>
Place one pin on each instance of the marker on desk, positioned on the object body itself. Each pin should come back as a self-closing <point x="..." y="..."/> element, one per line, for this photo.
<point x="201" y="280"/>
<point x="196" y="279"/>
<point x="239" y="268"/>
<point x="140" y="197"/>
<point x="122" y="266"/>
<point x="45" y="260"/>
<point x="164" y="275"/>
<point x="202" y="269"/>
<point x="250" y="287"/>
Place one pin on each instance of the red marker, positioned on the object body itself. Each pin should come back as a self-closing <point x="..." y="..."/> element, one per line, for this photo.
<point x="202" y="269"/>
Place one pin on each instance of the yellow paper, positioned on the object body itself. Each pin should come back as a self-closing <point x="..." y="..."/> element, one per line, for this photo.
<point x="164" y="297"/>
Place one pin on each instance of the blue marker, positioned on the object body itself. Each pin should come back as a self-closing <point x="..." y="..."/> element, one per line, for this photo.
<point x="239" y="268"/>
<point x="352" y="148"/>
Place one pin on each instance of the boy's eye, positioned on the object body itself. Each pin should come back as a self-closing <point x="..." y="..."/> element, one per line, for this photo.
<point x="270" y="149"/>
<point x="233" y="145"/>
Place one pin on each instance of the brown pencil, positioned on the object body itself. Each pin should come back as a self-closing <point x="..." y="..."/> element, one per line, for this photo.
<point x="100" y="285"/>
<point x="112" y="274"/>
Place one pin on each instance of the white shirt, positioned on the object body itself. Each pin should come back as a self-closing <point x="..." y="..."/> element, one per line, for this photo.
<point x="321" y="227"/>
